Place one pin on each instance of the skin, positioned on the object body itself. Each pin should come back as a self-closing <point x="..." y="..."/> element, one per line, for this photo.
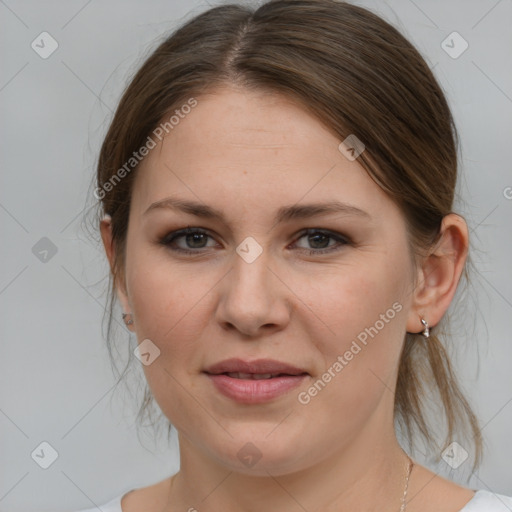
<point x="248" y="154"/>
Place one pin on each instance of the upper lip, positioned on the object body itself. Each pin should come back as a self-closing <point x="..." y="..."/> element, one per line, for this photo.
<point x="258" y="366"/>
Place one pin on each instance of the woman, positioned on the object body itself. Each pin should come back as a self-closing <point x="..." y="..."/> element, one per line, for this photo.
<point x="277" y="189"/>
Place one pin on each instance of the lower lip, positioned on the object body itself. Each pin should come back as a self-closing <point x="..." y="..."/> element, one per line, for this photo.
<point x="249" y="391"/>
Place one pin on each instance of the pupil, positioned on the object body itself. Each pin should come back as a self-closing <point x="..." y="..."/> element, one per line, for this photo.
<point x="194" y="237"/>
<point x="325" y="237"/>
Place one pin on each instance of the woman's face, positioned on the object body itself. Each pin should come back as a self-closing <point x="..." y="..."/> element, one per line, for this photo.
<point x="334" y="303"/>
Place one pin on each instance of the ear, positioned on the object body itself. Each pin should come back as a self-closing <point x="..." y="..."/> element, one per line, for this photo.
<point x="439" y="274"/>
<point x="108" y="243"/>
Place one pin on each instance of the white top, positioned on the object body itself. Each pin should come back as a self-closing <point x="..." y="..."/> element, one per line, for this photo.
<point x="482" y="501"/>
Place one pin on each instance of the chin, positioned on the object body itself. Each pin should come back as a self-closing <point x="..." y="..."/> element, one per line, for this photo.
<point x="259" y="454"/>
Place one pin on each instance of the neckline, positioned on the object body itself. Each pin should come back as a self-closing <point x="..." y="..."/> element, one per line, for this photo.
<point x="120" y="499"/>
<point x="475" y="491"/>
<point x="479" y="492"/>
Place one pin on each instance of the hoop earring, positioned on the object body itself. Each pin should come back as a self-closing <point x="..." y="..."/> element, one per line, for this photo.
<point x="128" y="318"/>
<point x="426" y="331"/>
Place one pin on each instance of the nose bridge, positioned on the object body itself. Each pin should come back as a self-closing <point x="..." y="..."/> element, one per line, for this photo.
<point x="250" y="296"/>
<point x="250" y="275"/>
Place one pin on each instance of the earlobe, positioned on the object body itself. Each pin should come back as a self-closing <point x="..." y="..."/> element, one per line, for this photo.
<point x="439" y="274"/>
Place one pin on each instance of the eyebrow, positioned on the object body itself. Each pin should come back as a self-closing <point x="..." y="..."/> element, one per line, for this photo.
<point x="285" y="213"/>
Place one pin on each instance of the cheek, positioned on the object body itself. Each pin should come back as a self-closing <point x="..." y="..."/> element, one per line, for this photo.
<point x="167" y="302"/>
<point x="360" y="355"/>
<point x="349" y="300"/>
<point x="162" y="294"/>
<point x="362" y="309"/>
<point x="167" y="309"/>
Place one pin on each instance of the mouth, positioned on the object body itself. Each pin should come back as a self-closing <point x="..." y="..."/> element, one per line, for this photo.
<point x="256" y="376"/>
<point x="242" y="369"/>
<point x="254" y="382"/>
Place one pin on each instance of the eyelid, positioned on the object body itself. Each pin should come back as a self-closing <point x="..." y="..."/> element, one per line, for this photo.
<point x="324" y="231"/>
<point x="341" y="239"/>
<point x="179" y="233"/>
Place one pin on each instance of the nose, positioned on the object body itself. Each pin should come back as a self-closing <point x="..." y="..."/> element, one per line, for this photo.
<point x="253" y="299"/>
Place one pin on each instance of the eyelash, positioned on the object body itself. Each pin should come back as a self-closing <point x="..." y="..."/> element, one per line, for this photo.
<point x="170" y="238"/>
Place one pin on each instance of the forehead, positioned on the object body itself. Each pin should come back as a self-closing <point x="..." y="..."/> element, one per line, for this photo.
<point x="255" y="148"/>
<point x="236" y="123"/>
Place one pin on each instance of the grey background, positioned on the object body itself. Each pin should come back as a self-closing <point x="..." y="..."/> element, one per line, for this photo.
<point x="56" y="382"/>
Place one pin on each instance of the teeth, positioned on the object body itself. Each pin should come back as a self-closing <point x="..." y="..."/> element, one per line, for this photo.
<point x="262" y="376"/>
<point x="252" y="376"/>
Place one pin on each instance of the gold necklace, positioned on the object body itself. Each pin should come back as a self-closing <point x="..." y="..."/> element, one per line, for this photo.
<point x="403" y="505"/>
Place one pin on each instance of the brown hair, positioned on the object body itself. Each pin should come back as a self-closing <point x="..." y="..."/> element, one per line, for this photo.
<point x="358" y="75"/>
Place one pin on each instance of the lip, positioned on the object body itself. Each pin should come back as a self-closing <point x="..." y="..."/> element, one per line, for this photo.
<point x="251" y="391"/>
<point x="236" y="365"/>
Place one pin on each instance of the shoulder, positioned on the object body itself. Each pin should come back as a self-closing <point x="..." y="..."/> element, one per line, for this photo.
<point x="485" y="501"/>
<point x="433" y="493"/>
<point x="113" y="505"/>
<point x="153" y="497"/>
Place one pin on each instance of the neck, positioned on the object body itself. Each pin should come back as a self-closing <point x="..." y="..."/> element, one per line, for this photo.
<point x="363" y="476"/>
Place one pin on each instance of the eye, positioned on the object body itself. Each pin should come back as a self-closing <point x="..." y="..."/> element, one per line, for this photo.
<point x="320" y="239"/>
<point x="193" y="238"/>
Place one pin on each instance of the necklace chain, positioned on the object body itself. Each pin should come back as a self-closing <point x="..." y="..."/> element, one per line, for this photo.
<point x="404" y="504"/>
